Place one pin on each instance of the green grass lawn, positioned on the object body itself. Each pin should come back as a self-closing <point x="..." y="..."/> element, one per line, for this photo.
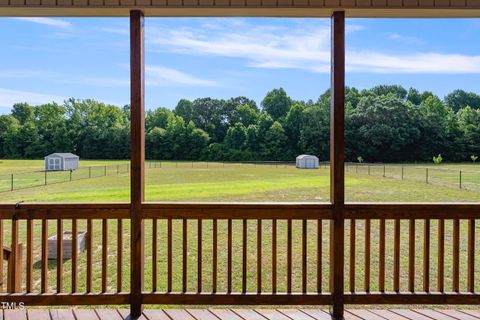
<point x="244" y="183"/>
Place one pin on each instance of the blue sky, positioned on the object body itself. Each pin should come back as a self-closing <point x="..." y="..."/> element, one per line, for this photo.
<point x="46" y="59"/>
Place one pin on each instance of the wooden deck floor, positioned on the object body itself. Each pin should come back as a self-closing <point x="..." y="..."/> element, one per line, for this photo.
<point x="239" y="314"/>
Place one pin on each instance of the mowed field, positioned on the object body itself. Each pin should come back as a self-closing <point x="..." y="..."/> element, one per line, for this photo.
<point x="210" y="182"/>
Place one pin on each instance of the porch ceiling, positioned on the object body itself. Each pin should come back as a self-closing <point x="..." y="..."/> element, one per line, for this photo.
<point x="269" y="8"/>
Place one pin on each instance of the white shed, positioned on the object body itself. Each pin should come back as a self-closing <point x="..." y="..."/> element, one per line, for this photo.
<point x="306" y="161"/>
<point x="61" y="162"/>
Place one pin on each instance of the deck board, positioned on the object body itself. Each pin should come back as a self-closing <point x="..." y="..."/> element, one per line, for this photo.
<point x="317" y="314"/>
<point x="295" y="314"/>
<point x="248" y="314"/>
<point x="271" y="314"/>
<point x="387" y="314"/>
<point x="239" y="314"/>
<point x="62" y="314"/>
<point x="475" y="313"/>
<point x="434" y="314"/>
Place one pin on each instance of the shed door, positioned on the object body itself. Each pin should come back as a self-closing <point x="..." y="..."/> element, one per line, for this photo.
<point x="54" y="164"/>
<point x="309" y="163"/>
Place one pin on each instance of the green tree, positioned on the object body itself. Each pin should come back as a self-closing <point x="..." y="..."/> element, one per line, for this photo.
<point x="275" y="142"/>
<point x="184" y="109"/>
<point x="460" y="98"/>
<point x="236" y="137"/>
<point x="469" y="123"/>
<point x="277" y="103"/>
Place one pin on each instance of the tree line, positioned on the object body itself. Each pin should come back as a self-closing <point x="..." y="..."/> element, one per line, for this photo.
<point x="386" y="123"/>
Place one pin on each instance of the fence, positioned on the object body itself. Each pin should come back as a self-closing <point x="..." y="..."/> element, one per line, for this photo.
<point x="156" y="164"/>
<point x="23" y="180"/>
<point x="462" y="179"/>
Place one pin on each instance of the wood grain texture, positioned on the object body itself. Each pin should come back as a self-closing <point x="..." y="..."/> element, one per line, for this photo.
<point x="337" y="159"/>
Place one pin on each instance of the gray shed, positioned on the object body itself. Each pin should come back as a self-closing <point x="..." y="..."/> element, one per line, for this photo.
<point x="306" y="161"/>
<point x="61" y="162"/>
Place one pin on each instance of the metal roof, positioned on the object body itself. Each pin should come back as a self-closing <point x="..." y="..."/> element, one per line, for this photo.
<point x="63" y="155"/>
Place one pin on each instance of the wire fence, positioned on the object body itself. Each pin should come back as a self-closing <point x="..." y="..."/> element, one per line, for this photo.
<point x="156" y="164"/>
<point x="23" y="180"/>
<point x="462" y="179"/>
<point x="457" y="178"/>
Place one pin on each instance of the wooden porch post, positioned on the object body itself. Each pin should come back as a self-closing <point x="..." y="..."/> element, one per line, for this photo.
<point x="137" y="146"/>
<point x="337" y="157"/>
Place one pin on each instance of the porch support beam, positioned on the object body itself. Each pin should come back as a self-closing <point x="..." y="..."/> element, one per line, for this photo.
<point x="137" y="154"/>
<point x="337" y="157"/>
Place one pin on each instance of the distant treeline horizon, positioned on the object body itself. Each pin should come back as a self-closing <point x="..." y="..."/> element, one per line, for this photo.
<point x="386" y="123"/>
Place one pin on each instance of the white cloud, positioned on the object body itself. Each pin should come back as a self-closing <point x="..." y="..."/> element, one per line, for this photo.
<point x="300" y="46"/>
<point x="166" y="77"/>
<point x="405" y="39"/>
<point x="48" y="21"/>
<point x="9" y="97"/>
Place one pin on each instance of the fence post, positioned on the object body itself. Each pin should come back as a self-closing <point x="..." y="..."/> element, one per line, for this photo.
<point x="11" y="183"/>
<point x="426" y="175"/>
<point x="71" y="175"/>
<point x="384" y="171"/>
<point x="46" y="177"/>
<point x="368" y="169"/>
<point x="105" y="171"/>
<point x="460" y="178"/>
<point x="402" y="172"/>
<point x="356" y="168"/>
<point x="117" y="169"/>
<point x="89" y="172"/>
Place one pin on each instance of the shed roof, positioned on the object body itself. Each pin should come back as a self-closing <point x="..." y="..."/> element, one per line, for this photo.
<point x="306" y="156"/>
<point x="63" y="155"/>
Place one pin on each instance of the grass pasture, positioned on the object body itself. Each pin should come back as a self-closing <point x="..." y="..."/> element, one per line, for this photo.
<point x="248" y="182"/>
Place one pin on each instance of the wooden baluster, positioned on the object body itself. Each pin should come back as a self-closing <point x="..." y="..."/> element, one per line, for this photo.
<point x="471" y="256"/>
<point x="381" y="257"/>
<point x="44" y="276"/>
<point x="1" y="260"/>
<point x="304" y="256"/>
<point x="274" y="255"/>
<point x="411" y="258"/>
<point x="104" y="254"/>
<point x="74" y="255"/>
<point x="214" y="256"/>
<point x="199" y="252"/>
<point x="120" y="254"/>
<point x="59" y="255"/>
<point x="396" y="256"/>
<point x="169" y="255"/>
<point x="15" y="275"/>
<point x="259" y="255"/>
<point x="89" y="255"/>
<point x="185" y="254"/>
<point x="244" y="257"/>
<point x="229" y="256"/>
<point x="441" y="255"/>
<point x="426" y="256"/>
<point x="319" y="255"/>
<point x="29" y="255"/>
<point x="456" y="255"/>
<point x="367" y="255"/>
<point x="154" y="254"/>
<point x="289" y="256"/>
<point x="352" y="254"/>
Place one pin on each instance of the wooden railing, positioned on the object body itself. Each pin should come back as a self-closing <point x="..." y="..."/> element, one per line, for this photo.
<point x="228" y="254"/>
